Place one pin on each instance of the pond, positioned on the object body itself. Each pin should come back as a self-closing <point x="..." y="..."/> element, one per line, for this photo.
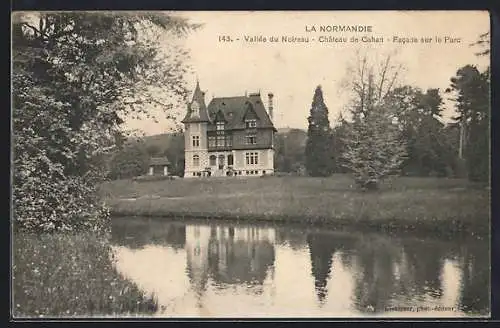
<point x="228" y="269"/>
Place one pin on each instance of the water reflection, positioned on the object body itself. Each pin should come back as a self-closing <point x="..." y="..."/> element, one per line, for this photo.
<point x="228" y="255"/>
<point x="226" y="269"/>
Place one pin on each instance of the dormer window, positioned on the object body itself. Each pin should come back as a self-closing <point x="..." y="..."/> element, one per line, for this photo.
<point x="195" y="108"/>
<point x="251" y="123"/>
<point x="220" y="126"/>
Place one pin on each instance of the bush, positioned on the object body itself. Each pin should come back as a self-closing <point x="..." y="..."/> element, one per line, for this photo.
<point x="71" y="275"/>
<point x="44" y="199"/>
<point x="129" y="162"/>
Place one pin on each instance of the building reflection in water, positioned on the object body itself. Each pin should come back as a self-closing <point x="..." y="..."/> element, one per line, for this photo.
<point x="229" y="256"/>
<point x="236" y="269"/>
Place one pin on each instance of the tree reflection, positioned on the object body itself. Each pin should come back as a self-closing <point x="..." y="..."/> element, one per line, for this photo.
<point x="475" y="285"/>
<point x="385" y="270"/>
<point x="424" y="261"/>
<point x="295" y="238"/>
<point x="375" y="258"/>
<point x="139" y="232"/>
<point x="322" y="247"/>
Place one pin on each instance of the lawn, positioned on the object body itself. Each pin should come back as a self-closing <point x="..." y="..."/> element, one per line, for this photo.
<point x="71" y="275"/>
<point x="409" y="203"/>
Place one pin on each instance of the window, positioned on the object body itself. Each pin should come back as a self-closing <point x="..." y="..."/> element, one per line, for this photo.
<point x="251" y="123"/>
<point x="196" y="141"/>
<point x="230" y="160"/>
<point x="220" y="126"/>
<point x="213" y="160"/>
<point x="220" y="141"/>
<point x="195" y="108"/>
<point x="251" y="139"/>
<point x="196" y="160"/>
<point x="211" y="141"/>
<point x="229" y="141"/>
<point x="252" y="158"/>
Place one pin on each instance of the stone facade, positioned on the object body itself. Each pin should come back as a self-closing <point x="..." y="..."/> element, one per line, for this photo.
<point x="233" y="136"/>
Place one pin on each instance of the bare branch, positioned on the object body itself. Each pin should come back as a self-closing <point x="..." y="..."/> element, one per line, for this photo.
<point x="382" y="78"/>
<point x="35" y="30"/>
<point x="393" y="81"/>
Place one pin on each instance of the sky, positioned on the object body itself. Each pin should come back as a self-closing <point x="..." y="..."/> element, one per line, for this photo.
<point x="291" y="71"/>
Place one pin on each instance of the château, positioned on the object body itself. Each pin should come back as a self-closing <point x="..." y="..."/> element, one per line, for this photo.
<point x="232" y="136"/>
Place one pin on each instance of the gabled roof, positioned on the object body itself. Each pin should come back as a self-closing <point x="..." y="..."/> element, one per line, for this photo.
<point x="158" y="161"/>
<point x="235" y="108"/>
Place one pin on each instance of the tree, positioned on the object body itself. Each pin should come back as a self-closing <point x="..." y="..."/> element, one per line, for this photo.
<point x="130" y="161"/>
<point x="153" y="150"/>
<point x="418" y="115"/>
<point x="483" y="42"/>
<point x="338" y="134"/>
<point x="374" y="147"/>
<point x="472" y="90"/>
<point x="289" y="150"/>
<point x="317" y="152"/>
<point x="76" y="76"/>
<point x="175" y="154"/>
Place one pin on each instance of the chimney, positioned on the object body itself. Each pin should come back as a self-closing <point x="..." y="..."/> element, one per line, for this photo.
<point x="270" y="105"/>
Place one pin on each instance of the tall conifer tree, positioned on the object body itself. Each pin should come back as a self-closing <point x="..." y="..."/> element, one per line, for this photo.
<point x="317" y="153"/>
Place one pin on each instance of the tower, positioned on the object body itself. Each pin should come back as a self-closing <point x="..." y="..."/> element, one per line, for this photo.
<point x="195" y="136"/>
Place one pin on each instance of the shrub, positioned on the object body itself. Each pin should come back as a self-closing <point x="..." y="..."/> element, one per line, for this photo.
<point x="71" y="275"/>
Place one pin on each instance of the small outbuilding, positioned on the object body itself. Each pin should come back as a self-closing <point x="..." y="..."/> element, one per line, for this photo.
<point x="158" y="166"/>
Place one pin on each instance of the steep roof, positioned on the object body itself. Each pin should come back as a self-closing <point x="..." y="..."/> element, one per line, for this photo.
<point x="234" y="110"/>
<point x="195" y="116"/>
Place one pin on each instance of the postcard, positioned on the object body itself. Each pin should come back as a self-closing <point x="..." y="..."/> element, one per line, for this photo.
<point x="251" y="164"/>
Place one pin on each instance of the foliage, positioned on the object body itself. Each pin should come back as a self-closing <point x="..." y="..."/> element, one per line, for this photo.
<point x="485" y="43"/>
<point x="318" y="160"/>
<point x="289" y="150"/>
<point x="153" y="150"/>
<point x="175" y="154"/>
<point x="80" y="281"/>
<point x="76" y="76"/>
<point x="418" y="114"/>
<point x="374" y="148"/>
<point x="373" y="144"/>
<point x="45" y="196"/>
<point x="130" y="161"/>
<point x="338" y="134"/>
<point x="472" y="90"/>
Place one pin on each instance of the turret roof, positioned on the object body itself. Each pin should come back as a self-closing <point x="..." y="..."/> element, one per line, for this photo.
<point x="202" y="116"/>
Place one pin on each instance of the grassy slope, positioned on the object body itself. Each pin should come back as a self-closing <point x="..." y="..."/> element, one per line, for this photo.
<point x="58" y="275"/>
<point x="408" y="202"/>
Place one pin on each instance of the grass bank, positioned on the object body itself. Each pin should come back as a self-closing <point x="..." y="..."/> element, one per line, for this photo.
<point x="64" y="275"/>
<point x="448" y="205"/>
